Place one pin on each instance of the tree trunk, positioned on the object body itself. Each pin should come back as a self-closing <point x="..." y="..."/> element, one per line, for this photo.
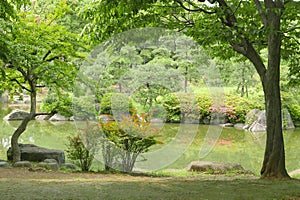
<point x="185" y="79"/>
<point x="274" y="158"/>
<point x="16" y="154"/>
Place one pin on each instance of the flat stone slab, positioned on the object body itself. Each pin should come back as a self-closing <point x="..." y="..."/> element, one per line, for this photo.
<point x="33" y="153"/>
<point x="207" y="166"/>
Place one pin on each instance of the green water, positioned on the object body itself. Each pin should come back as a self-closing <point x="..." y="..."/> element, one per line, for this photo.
<point x="182" y="143"/>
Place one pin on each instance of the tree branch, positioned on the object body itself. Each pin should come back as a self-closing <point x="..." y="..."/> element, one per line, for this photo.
<point x="194" y="10"/>
<point x="46" y="55"/>
<point x="261" y="12"/>
<point x="246" y="48"/>
<point x="230" y="18"/>
<point x="22" y="86"/>
<point x="188" y="23"/>
<point x="53" y="112"/>
<point x="53" y="58"/>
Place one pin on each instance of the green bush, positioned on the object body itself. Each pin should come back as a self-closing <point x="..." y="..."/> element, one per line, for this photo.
<point x="172" y="107"/>
<point x="291" y="101"/>
<point x="240" y="106"/>
<point x="233" y="110"/>
<point x="61" y="103"/>
<point x="132" y="136"/>
<point x="80" y="153"/>
<point x="122" y="104"/>
<point x="84" y="107"/>
<point x="205" y="105"/>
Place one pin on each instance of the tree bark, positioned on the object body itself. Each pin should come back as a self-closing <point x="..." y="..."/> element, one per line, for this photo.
<point x="274" y="158"/>
<point x="16" y="154"/>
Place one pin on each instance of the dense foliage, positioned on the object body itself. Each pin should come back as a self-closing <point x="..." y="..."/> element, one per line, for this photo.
<point x="200" y="108"/>
<point x="126" y="140"/>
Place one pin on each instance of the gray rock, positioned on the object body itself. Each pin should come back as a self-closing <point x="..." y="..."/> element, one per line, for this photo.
<point x="207" y="166"/>
<point x="42" y="117"/>
<point x="239" y="126"/>
<point x="4" y="164"/>
<point x="23" y="164"/>
<point x="16" y="115"/>
<point x="50" y="160"/>
<point x="58" y="117"/>
<point x="257" y="121"/>
<point x="106" y="118"/>
<point x="49" y="166"/>
<point x="287" y="122"/>
<point x="227" y="125"/>
<point x="35" y="153"/>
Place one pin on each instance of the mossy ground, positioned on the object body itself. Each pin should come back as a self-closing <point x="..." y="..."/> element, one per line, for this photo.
<point x="25" y="184"/>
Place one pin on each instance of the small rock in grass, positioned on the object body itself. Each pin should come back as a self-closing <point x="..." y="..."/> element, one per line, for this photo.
<point x="4" y="164"/>
<point x="50" y="160"/>
<point x="49" y="166"/>
<point x="220" y="167"/>
<point x="23" y="164"/>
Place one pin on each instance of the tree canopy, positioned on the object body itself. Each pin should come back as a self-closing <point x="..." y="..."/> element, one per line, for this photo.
<point x="38" y="53"/>
<point x="227" y="28"/>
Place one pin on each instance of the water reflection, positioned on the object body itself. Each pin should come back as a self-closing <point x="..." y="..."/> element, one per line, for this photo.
<point x="234" y="145"/>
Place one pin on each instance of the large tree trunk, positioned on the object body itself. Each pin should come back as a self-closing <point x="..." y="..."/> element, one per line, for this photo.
<point x="274" y="158"/>
<point x="22" y="127"/>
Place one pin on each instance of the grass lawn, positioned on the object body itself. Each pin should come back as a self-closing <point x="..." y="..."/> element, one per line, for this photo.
<point x="24" y="184"/>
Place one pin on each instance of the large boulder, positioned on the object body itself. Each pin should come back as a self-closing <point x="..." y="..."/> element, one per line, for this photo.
<point x="31" y="152"/>
<point x="256" y="120"/>
<point x="213" y="167"/>
<point x="16" y="115"/>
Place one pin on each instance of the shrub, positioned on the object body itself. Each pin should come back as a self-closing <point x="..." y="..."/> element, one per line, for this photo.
<point x="122" y="104"/>
<point x="61" y="103"/>
<point x="79" y="153"/>
<point x="238" y="107"/>
<point x="84" y="107"/>
<point x="291" y="101"/>
<point x="205" y="105"/>
<point x="83" y="147"/>
<point x="132" y="136"/>
<point x="233" y="110"/>
<point x="110" y="152"/>
<point x="172" y="107"/>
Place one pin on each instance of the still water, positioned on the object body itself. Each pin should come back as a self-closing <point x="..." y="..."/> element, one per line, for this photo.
<point x="182" y="144"/>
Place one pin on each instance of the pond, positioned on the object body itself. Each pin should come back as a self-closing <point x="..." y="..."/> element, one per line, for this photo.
<point x="182" y="144"/>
